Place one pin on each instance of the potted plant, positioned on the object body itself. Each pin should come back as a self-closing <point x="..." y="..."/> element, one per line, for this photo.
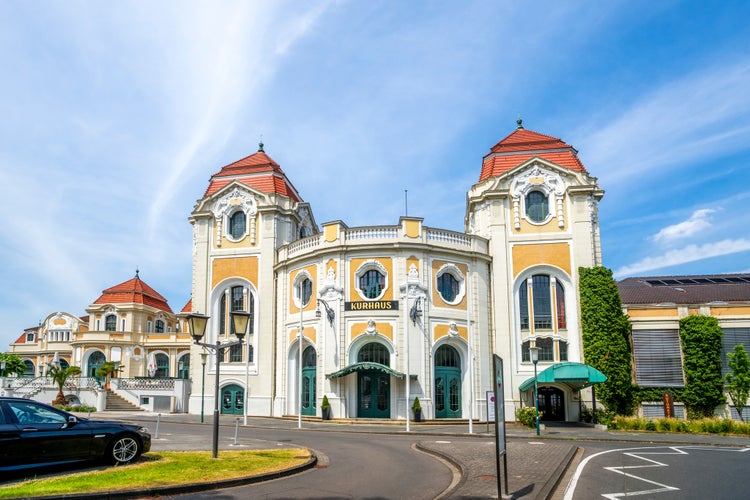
<point x="325" y="407"/>
<point x="60" y="375"/>
<point x="105" y="371"/>
<point x="417" y="407"/>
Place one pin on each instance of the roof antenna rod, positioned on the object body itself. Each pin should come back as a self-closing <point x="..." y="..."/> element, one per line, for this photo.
<point x="406" y="203"/>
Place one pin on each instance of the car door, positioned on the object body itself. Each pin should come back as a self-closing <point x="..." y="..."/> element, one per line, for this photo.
<point x="9" y="437"/>
<point x="46" y="435"/>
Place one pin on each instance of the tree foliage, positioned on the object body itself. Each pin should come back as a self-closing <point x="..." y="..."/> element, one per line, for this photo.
<point x="14" y="365"/>
<point x="606" y="338"/>
<point x="738" y="379"/>
<point x="701" y="348"/>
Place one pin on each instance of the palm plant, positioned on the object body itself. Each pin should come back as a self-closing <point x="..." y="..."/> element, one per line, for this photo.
<point x="60" y="375"/>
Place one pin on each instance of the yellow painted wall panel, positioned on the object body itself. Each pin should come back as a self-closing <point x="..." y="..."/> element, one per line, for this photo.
<point x="411" y="228"/>
<point x="385" y="329"/>
<point x="331" y="232"/>
<point x="730" y="311"/>
<point x="442" y="331"/>
<point x="554" y="254"/>
<point x="652" y="313"/>
<point x="229" y="267"/>
<point x="308" y="332"/>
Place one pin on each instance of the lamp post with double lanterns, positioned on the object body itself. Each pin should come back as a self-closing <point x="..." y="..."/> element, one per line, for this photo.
<point x="197" y="324"/>
<point x="535" y="359"/>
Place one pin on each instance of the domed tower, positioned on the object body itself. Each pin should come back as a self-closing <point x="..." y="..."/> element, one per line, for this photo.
<point x="249" y="209"/>
<point x="537" y="205"/>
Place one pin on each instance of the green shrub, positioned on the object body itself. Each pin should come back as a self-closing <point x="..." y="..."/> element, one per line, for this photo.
<point x="77" y="409"/>
<point x="527" y="415"/>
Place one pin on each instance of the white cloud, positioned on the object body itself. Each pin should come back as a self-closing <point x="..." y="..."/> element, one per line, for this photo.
<point x="696" y="223"/>
<point x="683" y="120"/>
<point x="690" y="253"/>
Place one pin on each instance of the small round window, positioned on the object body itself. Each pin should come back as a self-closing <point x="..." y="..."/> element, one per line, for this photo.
<point x="371" y="283"/>
<point x="537" y="206"/>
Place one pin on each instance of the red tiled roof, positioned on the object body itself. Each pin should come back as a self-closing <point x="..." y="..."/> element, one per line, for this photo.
<point x="134" y="291"/>
<point x="258" y="171"/>
<point x="188" y="307"/>
<point x="522" y="145"/>
<point x="689" y="290"/>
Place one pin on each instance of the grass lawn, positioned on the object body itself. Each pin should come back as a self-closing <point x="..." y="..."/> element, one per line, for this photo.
<point x="155" y="470"/>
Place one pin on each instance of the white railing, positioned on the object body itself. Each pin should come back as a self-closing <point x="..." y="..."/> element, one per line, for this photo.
<point x="372" y="233"/>
<point x="304" y="244"/>
<point x="452" y="237"/>
<point x="166" y="384"/>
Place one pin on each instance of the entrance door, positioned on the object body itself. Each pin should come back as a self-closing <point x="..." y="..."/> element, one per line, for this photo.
<point x="373" y="394"/>
<point x="308" y="381"/>
<point x="232" y="399"/>
<point x="551" y="403"/>
<point x="447" y="383"/>
<point x="96" y="359"/>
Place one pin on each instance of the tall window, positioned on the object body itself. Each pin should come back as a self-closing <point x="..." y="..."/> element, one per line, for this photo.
<point x="162" y="365"/>
<point x="537" y="206"/>
<point x="371" y="283"/>
<point x="546" y="350"/>
<point x="447" y="356"/>
<point x="233" y="299"/>
<point x="159" y="326"/>
<point x="237" y="225"/>
<point x="110" y="323"/>
<point x="541" y="310"/>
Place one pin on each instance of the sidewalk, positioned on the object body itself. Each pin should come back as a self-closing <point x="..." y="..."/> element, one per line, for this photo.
<point x="536" y="464"/>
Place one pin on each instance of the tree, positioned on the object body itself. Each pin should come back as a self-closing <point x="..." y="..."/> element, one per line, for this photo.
<point x="701" y="349"/>
<point x="60" y="375"/>
<point x="606" y="338"/>
<point x="738" y="381"/>
<point x="13" y="364"/>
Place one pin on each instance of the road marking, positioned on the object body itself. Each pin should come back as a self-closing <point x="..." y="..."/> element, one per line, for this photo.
<point x="652" y="463"/>
<point x="570" y="489"/>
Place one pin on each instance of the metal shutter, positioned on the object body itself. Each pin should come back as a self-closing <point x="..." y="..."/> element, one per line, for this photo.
<point x="658" y="358"/>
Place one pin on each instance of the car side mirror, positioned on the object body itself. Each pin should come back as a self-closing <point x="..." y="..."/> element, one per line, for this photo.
<point x="72" y="420"/>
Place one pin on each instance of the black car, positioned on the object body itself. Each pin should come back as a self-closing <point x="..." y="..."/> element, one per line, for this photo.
<point x="33" y="434"/>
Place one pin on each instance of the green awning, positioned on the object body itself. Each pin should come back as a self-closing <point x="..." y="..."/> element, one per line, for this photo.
<point x="577" y="375"/>
<point x="362" y="366"/>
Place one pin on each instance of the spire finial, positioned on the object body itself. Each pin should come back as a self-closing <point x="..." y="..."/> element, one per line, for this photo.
<point x="136" y="272"/>
<point x="519" y="122"/>
<point x="260" y="144"/>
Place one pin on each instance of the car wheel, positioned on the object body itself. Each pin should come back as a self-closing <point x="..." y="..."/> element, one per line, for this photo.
<point x="124" y="449"/>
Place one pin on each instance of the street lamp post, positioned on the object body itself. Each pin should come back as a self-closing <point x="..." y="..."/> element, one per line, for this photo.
<point x="535" y="359"/>
<point x="197" y="323"/>
<point x="204" y="355"/>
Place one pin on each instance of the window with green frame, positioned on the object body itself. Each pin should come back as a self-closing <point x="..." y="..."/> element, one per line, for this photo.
<point x="371" y="283"/>
<point x="537" y="206"/>
<point x="237" y="224"/>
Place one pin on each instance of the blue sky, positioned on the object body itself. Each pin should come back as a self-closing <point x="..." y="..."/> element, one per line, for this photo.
<point x="114" y="116"/>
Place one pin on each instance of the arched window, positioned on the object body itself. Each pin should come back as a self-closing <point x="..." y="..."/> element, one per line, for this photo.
<point x="542" y="293"/>
<point x="237" y="225"/>
<point x="110" y="322"/>
<point x="546" y="350"/>
<point x="537" y="206"/>
<point x="183" y="367"/>
<point x="30" y="370"/>
<point x="447" y="356"/>
<point x="162" y="365"/>
<point x="308" y="357"/>
<point x="374" y="352"/>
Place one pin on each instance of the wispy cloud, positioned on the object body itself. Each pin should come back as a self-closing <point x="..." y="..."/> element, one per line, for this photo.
<point x="690" y="253"/>
<point x="697" y="222"/>
<point x="686" y="119"/>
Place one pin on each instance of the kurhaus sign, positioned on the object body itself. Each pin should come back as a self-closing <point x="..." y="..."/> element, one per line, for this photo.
<point x="378" y="305"/>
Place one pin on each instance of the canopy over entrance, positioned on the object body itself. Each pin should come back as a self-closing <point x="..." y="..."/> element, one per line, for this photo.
<point x="365" y="366"/>
<point x="576" y="375"/>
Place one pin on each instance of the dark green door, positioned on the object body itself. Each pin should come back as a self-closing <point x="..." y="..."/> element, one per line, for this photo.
<point x="232" y="400"/>
<point x="308" y="381"/>
<point x="373" y="394"/>
<point x="447" y="382"/>
<point x="95" y="361"/>
<point x="447" y="392"/>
